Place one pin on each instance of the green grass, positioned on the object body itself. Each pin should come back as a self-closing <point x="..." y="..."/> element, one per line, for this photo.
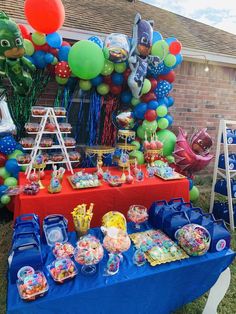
<point x="227" y="306"/>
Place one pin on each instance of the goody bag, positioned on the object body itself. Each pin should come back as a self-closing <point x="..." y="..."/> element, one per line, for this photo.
<point x="153" y="213"/>
<point x="173" y="222"/>
<point x="220" y="237"/>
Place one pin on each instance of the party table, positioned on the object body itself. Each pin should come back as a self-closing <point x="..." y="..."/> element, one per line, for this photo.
<point x="104" y="197"/>
<point x="134" y="290"/>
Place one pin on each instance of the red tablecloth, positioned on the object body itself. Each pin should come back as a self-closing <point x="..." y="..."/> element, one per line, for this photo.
<point x="105" y="198"/>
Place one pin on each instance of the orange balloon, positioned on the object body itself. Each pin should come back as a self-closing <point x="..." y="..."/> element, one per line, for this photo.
<point x="45" y="16"/>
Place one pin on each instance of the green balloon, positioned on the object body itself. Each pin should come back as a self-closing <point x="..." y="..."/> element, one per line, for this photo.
<point x="135" y="101"/>
<point x="170" y="159"/>
<point x="61" y="80"/>
<point x="5" y="199"/>
<point x="120" y="67"/>
<point x="149" y="127"/>
<point x="11" y="181"/>
<point x="55" y="61"/>
<point x="146" y="86"/>
<point x="163" y="123"/>
<point x="108" y="68"/>
<point x="23" y="168"/>
<point x="168" y="139"/>
<point x="141" y="132"/>
<point x="86" y="59"/>
<point x="29" y="47"/>
<point x="4" y="173"/>
<point x="161" y="111"/>
<point x="138" y="155"/>
<point x="85" y="85"/>
<point x="194" y="194"/>
<point x="103" y="89"/>
<point x="39" y="38"/>
<point x="160" y="49"/>
<point x="159" y="163"/>
<point x="137" y="144"/>
<point x="170" y="60"/>
<point x="15" y="154"/>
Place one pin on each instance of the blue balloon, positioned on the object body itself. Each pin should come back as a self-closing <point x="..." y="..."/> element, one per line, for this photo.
<point x="54" y="40"/>
<point x="97" y="80"/>
<point x="139" y="110"/>
<point x="170" y="40"/>
<point x="19" y="147"/>
<point x="126" y="97"/>
<point x="166" y="70"/>
<point x="156" y="36"/>
<point x="7" y="145"/>
<point x="3" y="189"/>
<point x="63" y="53"/>
<point x="49" y="58"/>
<point x="39" y="59"/>
<point x="155" y="71"/>
<point x="117" y="78"/>
<point x="163" y="101"/>
<point x="29" y="58"/>
<point x="179" y="59"/>
<point x="170" y="119"/>
<point x="170" y="101"/>
<point x="190" y="183"/>
<point x="97" y="40"/>
<point x="163" y="88"/>
<point x="152" y="105"/>
<point x="11" y="166"/>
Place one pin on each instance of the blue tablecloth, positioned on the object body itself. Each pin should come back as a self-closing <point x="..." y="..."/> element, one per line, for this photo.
<point x="139" y="290"/>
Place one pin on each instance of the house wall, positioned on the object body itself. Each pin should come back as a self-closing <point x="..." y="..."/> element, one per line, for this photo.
<point x="201" y="98"/>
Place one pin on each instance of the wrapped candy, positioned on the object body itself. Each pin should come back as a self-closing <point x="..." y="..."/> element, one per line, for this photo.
<point x="62" y="250"/>
<point x="194" y="239"/>
<point x="62" y="269"/>
<point x="137" y="214"/>
<point x="114" y="219"/>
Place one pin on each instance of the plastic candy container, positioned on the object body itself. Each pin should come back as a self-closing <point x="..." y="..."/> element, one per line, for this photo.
<point x="60" y="111"/>
<point x="69" y="141"/>
<point x="62" y="250"/>
<point x="55" y="229"/>
<point x="115" y="242"/>
<point x="32" y="127"/>
<point x="139" y="258"/>
<point x="62" y="270"/>
<point x="137" y="214"/>
<point x="23" y="159"/>
<point x="194" y="239"/>
<point x="57" y="157"/>
<point x="65" y="127"/>
<point x="74" y="156"/>
<point x="46" y="157"/>
<point x="50" y="127"/>
<point x="46" y="142"/>
<point x="27" y="142"/>
<point x="25" y="272"/>
<point x="82" y="179"/>
<point x="31" y="189"/>
<point x="32" y="286"/>
<point x="38" y="110"/>
<point x="89" y="251"/>
<point x="114" y="181"/>
<point x="114" y="219"/>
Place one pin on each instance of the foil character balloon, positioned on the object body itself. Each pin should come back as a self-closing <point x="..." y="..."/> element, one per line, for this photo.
<point x="189" y="157"/>
<point x="12" y="63"/>
<point x="125" y="120"/>
<point x="116" y="48"/>
<point x="139" y="56"/>
<point x="6" y="123"/>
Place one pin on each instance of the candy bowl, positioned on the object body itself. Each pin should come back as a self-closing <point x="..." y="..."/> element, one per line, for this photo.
<point x="63" y="250"/>
<point x="69" y="141"/>
<point x="32" y="127"/>
<point x="25" y="272"/>
<point x="65" y="127"/>
<point x="115" y="181"/>
<point x="32" y="286"/>
<point x="194" y="239"/>
<point x="137" y="214"/>
<point x="74" y="156"/>
<point x="62" y="270"/>
<point x="31" y="189"/>
<point x="114" y="219"/>
<point x="38" y="110"/>
<point x="23" y="159"/>
<point x="60" y="111"/>
<point x="88" y="253"/>
<point x="27" y="142"/>
<point x="139" y="258"/>
<point x="46" y="142"/>
<point x="116" y="241"/>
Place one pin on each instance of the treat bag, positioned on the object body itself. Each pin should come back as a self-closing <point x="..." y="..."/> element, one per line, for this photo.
<point x="174" y="222"/>
<point x="153" y="212"/>
<point x="220" y="238"/>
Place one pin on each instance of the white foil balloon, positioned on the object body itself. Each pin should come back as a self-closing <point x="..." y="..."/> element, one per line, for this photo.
<point x="6" y="123"/>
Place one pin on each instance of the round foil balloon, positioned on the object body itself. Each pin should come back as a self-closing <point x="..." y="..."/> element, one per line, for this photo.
<point x="116" y="48"/>
<point x="194" y="239"/>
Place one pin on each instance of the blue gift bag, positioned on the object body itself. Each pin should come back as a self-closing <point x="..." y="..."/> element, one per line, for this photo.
<point x="173" y="222"/>
<point x="153" y="212"/>
<point x="27" y="227"/>
<point x="220" y="238"/>
<point x="208" y="222"/>
<point x="195" y="215"/>
<point x="26" y="218"/>
<point x="176" y="202"/>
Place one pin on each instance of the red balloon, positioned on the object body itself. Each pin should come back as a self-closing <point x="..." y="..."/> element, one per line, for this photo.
<point x="150" y="115"/>
<point x="107" y="79"/>
<point x="3" y="159"/>
<point x="126" y="74"/>
<point x="44" y="47"/>
<point x="53" y="51"/>
<point x="175" y="47"/>
<point x="45" y="16"/>
<point x="1" y="181"/>
<point x="24" y="31"/>
<point x="170" y="77"/>
<point x="148" y="97"/>
<point x="62" y="69"/>
<point x="115" y="89"/>
<point x="153" y="83"/>
<point x="65" y="43"/>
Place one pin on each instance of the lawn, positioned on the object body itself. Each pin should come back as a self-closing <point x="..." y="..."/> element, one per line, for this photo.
<point x="227" y="306"/>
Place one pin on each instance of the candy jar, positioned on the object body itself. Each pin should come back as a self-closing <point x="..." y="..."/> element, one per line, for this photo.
<point x="88" y="253"/>
<point x="137" y="214"/>
<point x="62" y="269"/>
<point x="139" y="258"/>
<point x="63" y="250"/>
<point x="116" y="241"/>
